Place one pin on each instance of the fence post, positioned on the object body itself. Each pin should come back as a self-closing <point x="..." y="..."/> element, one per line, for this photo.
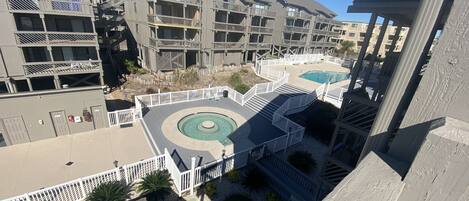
<point x="118" y="174"/>
<point x="151" y="100"/>
<point x="288" y="141"/>
<point x="159" y="97"/>
<point x="170" y="97"/>
<point x="192" y="176"/>
<point x="82" y="187"/>
<point x="126" y="174"/>
<point x="187" y="95"/>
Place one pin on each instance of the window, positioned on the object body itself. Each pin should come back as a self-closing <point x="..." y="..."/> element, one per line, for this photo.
<point x="261" y="6"/>
<point x="351" y="34"/>
<point x="354" y="25"/>
<point x="21" y="85"/>
<point x="3" y="88"/>
<point x="135" y="7"/>
<point x="2" y="141"/>
<point x="136" y="28"/>
<point x="35" y="54"/>
<point x="27" y="22"/>
<point x="362" y="34"/>
<point x="42" y="83"/>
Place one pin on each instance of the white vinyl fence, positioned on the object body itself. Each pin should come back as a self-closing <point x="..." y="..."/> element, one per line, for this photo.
<point x="80" y="188"/>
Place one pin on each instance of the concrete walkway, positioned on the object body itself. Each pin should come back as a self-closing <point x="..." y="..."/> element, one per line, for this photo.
<point x="32" y="166"/>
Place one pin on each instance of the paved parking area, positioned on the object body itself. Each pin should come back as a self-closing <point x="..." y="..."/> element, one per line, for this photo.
<point x="32" y="166"/>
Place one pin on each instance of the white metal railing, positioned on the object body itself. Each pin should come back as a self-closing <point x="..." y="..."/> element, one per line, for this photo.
<point x="122" y="117"/>
<point x="78" y="189"/>
<point x="52" y="67"/>
<point x="231" y="6"/>
<point x="166" y="19"/>
<point x="79" y="7"/>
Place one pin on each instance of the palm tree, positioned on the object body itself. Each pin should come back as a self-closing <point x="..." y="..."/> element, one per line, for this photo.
<point x="110" y="191"/>
<point x="156" y="185"/>
<point x="346" y="46"/>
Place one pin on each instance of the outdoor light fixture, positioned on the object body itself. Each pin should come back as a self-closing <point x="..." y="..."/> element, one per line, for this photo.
<point x="116" y="163"/>
<point x="69" y="163"/>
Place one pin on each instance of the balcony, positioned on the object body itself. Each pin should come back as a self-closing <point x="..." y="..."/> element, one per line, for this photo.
<point x="300" y="14"/>
<point x="164" y="20"/>
<point x="254" y="45"/>
<point x="264" y="30"/>
<point x="325" y="32"/>
<point x="230" y="6"/>
<point x="228" y="45"/>
<point x="294" y="42"/>
<point x="296" y="29"/>
<point x="52" y="6"/>
<point x="323" y="44"/>
<point x="33" y="38"/>
<point x="191" y="2"/>
<point x="230" y="27"/>
<point x="173" y="43"/>
<point x="61" y="67"/>
<point x="263" y="12"/>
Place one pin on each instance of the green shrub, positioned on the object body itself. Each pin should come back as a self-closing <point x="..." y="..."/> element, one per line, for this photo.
<point x="254" y="180"/>
<point x="114" y="190"/>
<point x="237" y="197"/>
<point x="272" y="196"/>
<point x="210" y="189"/>
<point x="156" y="185"/>
<point x="132" y="68"/>
<point x="150" y="91"/>
<point x="242" y="88"/>
<point x="302" y="161"/>
<point x="235" y="79"/>
<point x="233" y="176"/>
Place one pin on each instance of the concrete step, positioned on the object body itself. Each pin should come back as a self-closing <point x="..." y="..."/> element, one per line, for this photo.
<point x="290" y="91"/>
<point x="262" y="106"/>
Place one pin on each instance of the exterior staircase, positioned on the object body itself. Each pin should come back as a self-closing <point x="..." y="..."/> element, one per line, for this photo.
<point x="262" y="106"/>
<point x="290" y="91"/>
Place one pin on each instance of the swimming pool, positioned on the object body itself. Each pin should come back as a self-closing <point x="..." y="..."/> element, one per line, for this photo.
<point x="325" y="76"/>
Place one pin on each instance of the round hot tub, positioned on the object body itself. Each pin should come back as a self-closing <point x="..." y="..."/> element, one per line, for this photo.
<point x="207" y="126"/>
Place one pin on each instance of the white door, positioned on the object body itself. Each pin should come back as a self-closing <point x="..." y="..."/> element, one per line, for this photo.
<point x="16" y="130"/>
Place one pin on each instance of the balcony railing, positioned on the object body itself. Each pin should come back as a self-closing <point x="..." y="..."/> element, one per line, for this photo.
<point x="259" y="29"/>
<point x="294" y="42"/>
<point x="230" y="27"/>
<point x="228" y="45"/>
<point x="172" y="20"/>
<point x="325" y="32"/>
<point x="192" y="2"/>
<point x="259" y="45"/>
<point x="54" y="38"/>
<point x="77" y="7"/>
<point x="50" y="67"/>
<point x="263" y="12"/>
<point x="173" y="43"/>
<point x="300" y="14"/>
<point x="296" y="29"/>
<point x="231" y="6"/>
<point x="327" y="21"/>
<point x="323" y="44"/>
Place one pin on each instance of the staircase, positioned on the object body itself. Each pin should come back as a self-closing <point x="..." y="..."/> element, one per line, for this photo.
<point x="262" y="106"/>
<point x="290" y="91"/>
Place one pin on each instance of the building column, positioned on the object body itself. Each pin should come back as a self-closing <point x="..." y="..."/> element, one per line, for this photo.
<point x="374" y="56"/>
<point x="422" y="29"/>
<point x="358" y="65"/>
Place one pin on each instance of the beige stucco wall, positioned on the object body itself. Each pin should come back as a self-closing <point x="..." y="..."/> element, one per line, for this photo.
<point x="33" y="108"/>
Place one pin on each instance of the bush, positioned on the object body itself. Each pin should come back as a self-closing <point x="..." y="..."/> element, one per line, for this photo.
<point x="132" y="68"/>
<point x="210" y="189"/>
<point x="302" y="161"/>
<point x="242" y="88"/>
<point x="233" y="176"/>
<point x="272" y="196"/>
<point x="235" y="79"/>
<point x="254" y="180"/>
<point x="113" y="190"/>
<point x="150" y="91"/>
<point x="237" y="197"/>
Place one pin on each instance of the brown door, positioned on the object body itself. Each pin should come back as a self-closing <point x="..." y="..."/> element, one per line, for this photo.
<point x="15" y="130"/>
<point x="60" y="123"/>
<point x="98" y="117"/>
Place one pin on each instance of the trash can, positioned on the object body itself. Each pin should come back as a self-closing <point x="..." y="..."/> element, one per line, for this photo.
<point x="225" y="93"/>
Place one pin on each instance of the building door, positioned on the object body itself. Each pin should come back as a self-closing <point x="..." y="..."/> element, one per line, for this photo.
<point x="98" y="117"/>
<point x="60" y="123"/>
<point x="15" y="130"/>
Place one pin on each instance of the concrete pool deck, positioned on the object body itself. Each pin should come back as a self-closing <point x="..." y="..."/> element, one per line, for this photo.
<point x="296" y="71"/>
<point x="31" y="166"/>
<point x="261" y="130"/>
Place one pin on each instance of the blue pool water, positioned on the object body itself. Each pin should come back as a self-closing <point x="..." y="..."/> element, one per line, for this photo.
<point x="325" y="76"/>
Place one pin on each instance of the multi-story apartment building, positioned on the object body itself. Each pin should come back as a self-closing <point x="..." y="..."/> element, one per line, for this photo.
<point x="355" y="32"/>
<point x="50" y="74"/>
<point x="173" y="34"/>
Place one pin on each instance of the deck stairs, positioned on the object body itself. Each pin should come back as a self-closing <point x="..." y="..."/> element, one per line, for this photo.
<point x="290" y="182"/>
<point x="262" y="106"/>
<point x="290" y="90"/>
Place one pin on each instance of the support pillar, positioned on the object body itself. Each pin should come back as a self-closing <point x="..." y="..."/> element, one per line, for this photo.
<point x="374" y="57"/>
<point x="423" y="27"/>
